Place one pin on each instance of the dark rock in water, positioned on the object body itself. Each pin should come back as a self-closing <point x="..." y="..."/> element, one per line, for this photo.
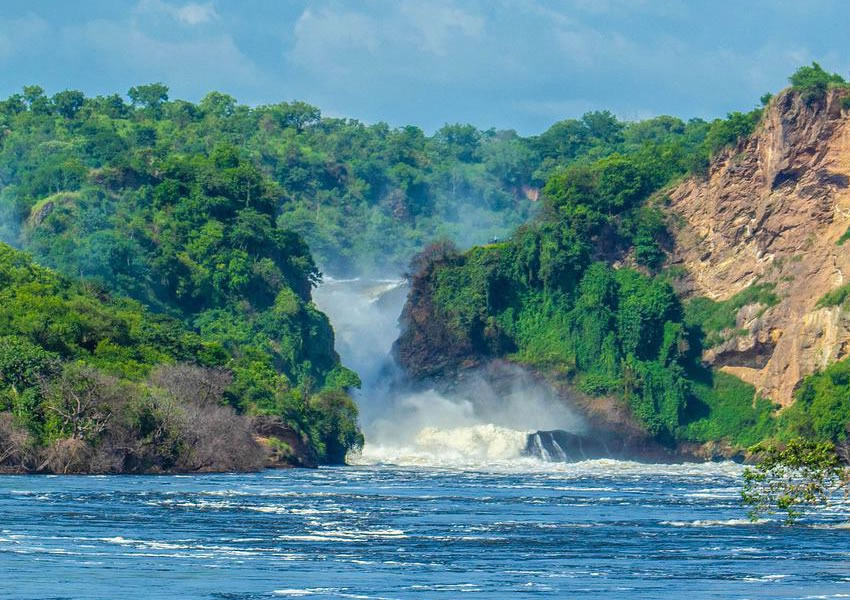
<point x="563" y="446"/>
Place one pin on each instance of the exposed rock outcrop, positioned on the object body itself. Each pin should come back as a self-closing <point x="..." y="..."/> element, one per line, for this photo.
<point x="771" y="211"/>
<point x="427" y="347"/>
<point x="285" y="447"/>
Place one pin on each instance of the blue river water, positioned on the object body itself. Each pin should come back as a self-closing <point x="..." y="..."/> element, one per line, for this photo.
<point x="598" y="529"/>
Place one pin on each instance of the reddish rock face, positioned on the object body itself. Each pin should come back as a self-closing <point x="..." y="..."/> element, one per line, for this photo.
<point x="771" y="211"/>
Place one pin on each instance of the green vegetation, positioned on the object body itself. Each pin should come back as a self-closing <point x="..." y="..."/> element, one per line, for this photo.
<point x="541" y="297"/>
<point x="821" y="409"/>
<point x="726" y="408"/>
<point x="363" y="197"/>
<point x="805" y="464"/>
<point x="836" y="297"/>
<point x="549" y="295"/>
<point x="812" y="82"/>
<point x="94" y="382"/>
<point x="717" y="319"/>
<point x="799" y="475"/>
<point x="846" y="235"/>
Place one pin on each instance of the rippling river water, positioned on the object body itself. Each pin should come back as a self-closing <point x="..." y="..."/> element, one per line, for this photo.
<point x="599" y="529"/>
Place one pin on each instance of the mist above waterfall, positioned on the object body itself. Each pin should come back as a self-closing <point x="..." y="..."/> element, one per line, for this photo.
<point x="9" y="222"/>
<point x="364" y="314"/>
<point x="486" y="415"/>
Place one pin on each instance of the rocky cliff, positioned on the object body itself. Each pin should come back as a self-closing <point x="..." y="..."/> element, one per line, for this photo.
<point x="772" y="210"/>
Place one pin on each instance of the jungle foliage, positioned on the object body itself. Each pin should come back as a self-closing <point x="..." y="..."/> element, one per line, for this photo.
<point x="198" y="216"/>
<point x="364" y="197"/>
<point x="91" y="381"/>
<point x="549" y="296"/>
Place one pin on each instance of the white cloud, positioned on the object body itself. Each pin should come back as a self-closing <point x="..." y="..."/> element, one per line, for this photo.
<point x="22" y="35"/>
<point x="195" y="14"/>
<point x="191" y="13"/>
<point x="607" y="7"/>
<point x="438" y="25"/>
<point x="337" y="39"/>
<point x="325" y="39"/>
<point x="187" y="64"/>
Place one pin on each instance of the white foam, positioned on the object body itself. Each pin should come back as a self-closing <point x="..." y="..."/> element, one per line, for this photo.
<point x="766" y="578"/>
<point x="714" y="523"/>
<point x="494" y="449"/>
<point x="842" y="525"/>
<point x="338" y="535"/>
<point x="459" y="447"/>
<point x="303" y="591"/>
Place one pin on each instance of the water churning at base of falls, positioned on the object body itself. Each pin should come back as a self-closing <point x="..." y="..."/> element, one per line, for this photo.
<point x="476" y="423"/>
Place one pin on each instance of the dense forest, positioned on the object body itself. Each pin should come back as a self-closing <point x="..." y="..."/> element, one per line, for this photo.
<point x="584" y="294"/>
<point x="365" y="198"/>
<point x="95" y="382"/>
<point x="170" y="241"/>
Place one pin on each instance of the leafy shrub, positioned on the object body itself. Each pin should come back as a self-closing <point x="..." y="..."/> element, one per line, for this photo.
<point x="821" y="410"/>
<point x="812" y="82"/>
<point x="16" y="444"/>
<point x="725" y="408"/>
<point x="713" y="317"/>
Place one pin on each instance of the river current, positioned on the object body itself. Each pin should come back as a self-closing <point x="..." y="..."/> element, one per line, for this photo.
<point x="515" y="529"/>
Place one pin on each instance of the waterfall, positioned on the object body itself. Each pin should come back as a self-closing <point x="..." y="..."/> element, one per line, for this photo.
<point x="488" y="416"/>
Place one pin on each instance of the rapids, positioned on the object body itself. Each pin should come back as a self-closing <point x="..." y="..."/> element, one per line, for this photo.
<point x="517" y="528"/>
<point x="484" y="492"/>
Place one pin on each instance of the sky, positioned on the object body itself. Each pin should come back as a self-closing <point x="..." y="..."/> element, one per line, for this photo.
<point x="508" y="64"/>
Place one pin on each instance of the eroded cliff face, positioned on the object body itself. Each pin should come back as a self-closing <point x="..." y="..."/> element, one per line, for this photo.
<point x="771" y="211"/>
<point x="427" y="347"/>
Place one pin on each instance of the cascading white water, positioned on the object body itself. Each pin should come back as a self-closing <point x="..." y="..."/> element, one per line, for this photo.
<point x="364" y="314"/>
<point x="477" y="423"/>
<point x="451" y="446"/>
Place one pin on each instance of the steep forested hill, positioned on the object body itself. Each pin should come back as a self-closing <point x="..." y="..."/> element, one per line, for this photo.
<point x="94" y="382"/>
<point x="648" y="267"/>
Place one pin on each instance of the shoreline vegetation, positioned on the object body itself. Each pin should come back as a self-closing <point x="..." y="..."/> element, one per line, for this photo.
<point x="157" y="315"/>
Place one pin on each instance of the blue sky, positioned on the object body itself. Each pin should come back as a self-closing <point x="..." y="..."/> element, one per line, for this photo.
<point x="501" y="63"/>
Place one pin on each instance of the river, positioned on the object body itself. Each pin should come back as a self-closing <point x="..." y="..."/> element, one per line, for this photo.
<point x="527" y="529"/>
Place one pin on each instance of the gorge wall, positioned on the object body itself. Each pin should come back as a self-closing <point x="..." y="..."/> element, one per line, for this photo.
<point x="772" y="210"/>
